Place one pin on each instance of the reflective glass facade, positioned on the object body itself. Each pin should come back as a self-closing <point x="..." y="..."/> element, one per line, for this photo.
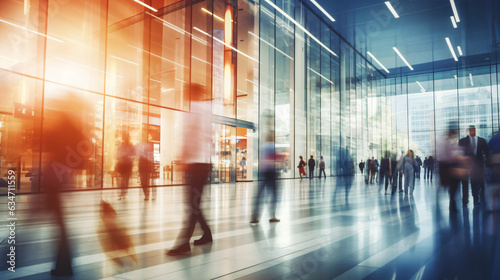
<point x="269" y="66"/>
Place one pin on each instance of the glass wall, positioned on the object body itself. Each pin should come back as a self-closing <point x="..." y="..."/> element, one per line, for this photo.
<point x="295" y="84"/>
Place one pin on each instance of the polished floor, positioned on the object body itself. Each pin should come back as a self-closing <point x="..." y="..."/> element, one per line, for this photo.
<point x="336" y="228"/>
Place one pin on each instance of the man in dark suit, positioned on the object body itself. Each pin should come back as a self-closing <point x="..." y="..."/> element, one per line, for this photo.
<point x="311" y="163"/>
<point x="476" y="149"/>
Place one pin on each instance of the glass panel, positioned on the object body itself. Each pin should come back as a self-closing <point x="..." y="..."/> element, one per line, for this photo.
<point x="20" y="121"/>
<point x="247" y="69"/>
<point x="421" y="115"/>
<point x="446" y="99"/>
<point x="475" y="101"/>
<point x="73" y="119"/>
<point x="22" y="50"/>
<point x="126" y="125"/>
<point x="126" y="58"/>
<point x="170" y="57"/>
<point x="79" y="59"/>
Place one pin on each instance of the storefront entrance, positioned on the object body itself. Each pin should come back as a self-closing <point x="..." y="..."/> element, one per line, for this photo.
<point x="231" y="157"/>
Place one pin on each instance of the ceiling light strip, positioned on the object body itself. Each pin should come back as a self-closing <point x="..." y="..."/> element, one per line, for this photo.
<point x="391" y="8"/>
<point x="222" y="42"/>
<point x="451" y="48"/>
<point x="283" y="53"/>
<point x="27" y="29"/>
<point x="453" y="22"/>
<point x="471" y="81"/>
<point x="146" y="5"/>
<point x="454" y="8"/>
<point x="421" y="87"/>
<point x="300" y="26"/>
<point x="402" y="57"/>
<point x="122" y="59"/>
<point x="460" y="51"/>
<point x="322" y="10"/>
<point x="376" y="60"/>
<point x="320" y="75"/>
<point x="178" y="64"/>
<point x="210" y="13"/>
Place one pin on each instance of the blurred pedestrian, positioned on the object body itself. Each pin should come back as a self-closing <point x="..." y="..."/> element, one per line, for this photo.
<point x="408" y="170"/>
<point x="476" y="149"/>
<point x="361" y="166"/>
<point x="65" y="151"/>
<point x="196" y="156"/>
<point x="451" y="159"/>
<point x="145" y="154"/>
<point x="492" y="192"/>
<point x="125" y="163"/>
<point x="311" y="164"/>
<point x="301" y="167"/>
<point x="430" y="167"/>
<point x="321" y="167"/>
<point x="386" y="171"/>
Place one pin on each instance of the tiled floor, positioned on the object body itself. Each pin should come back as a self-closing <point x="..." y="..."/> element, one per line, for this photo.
<point x="333" y="229"/>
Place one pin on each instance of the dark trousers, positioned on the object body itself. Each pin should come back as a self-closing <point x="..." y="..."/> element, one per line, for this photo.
<point x="269" y="184"/>
<point x="452" y="188"/>
<point x="429" y="173"/>
<point x="322" y="170"/>
<point x="311" y="173"/>
<point x="387" y="179"/>
<point x="197" y="175"/>
<point x="476" y="185"/>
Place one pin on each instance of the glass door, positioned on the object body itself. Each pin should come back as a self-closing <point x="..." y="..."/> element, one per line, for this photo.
<point x="224" y="154"/>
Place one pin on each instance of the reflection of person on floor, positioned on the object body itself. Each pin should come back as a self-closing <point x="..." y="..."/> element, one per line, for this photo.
<point x="145" y="153"/>
<point x="196" y="156"/>
<point x="65" y="152"/>
<point x="124" y="163"/>
<point x="269" y="183"/>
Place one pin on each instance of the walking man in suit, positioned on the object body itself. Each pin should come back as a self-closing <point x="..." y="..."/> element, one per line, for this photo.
<point x="476" y="149"/>
<point x="311" y="163"/>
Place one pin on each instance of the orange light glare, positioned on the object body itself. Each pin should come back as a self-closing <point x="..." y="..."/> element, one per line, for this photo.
<point x="210" y="13"/>
<point x="146" y="5"/>
<point x="228" y="26"/>
<point x="27" y="29"/>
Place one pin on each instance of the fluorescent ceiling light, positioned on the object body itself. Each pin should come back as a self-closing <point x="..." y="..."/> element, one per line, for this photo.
<point x="27" y="29"/>
<point x="146" y="5"/>
<point x="451" y="48"/>
<point x="471" y="81"/>
<point x="323" y="10"/>
<point x="374" y="58"/>
<point x="453" y="22"/>
<point x="455" y="77"/>
<point x="454" y="8"/>
<point x="460" y="51"/>
<point x="300" y="26"/>
<point x="402" y="57"/>
<point x="391" y="8"/>
<point x="210" y="13"/>
<point x="421" y="87"/>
